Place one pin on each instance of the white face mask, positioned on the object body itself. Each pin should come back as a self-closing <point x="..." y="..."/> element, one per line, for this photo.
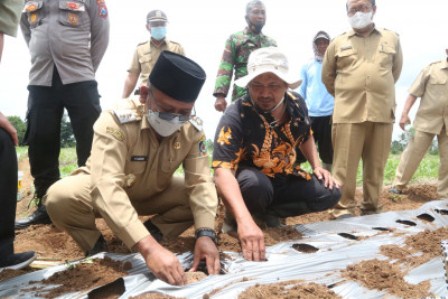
<point x="163" y="127"/>
<point x="361" y="19"/>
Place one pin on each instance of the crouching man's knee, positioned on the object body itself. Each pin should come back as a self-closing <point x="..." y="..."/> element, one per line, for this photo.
<point x="68" y="197"/>
<point x="54" y="199"/>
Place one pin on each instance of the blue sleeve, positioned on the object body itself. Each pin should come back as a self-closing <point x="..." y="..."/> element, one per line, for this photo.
<point x="303" y="75"/>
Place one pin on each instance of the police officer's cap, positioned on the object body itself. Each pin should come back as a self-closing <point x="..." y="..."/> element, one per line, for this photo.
<point x="156" y="16"/>
<point x="177" y="76"/>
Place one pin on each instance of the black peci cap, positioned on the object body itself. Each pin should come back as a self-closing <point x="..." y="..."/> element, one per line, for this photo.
<point x="177" y="76"/>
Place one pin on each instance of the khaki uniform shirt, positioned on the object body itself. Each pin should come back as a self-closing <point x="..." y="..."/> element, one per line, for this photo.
<point x="432" y="86"/>
<point x="128" y="164"/>
<point x="9" y="16"/>
<point x="71" y="35"/>
<point x="146" y="55"/>
<point x="360" y="72"/>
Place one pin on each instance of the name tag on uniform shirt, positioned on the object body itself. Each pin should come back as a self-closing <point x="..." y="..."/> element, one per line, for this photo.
<point x="139" y="158"/>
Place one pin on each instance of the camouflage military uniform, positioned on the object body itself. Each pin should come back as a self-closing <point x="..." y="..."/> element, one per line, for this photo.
<point x="236" y="53"/>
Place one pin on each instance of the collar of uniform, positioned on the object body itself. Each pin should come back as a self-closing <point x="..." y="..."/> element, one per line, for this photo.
<point x="145" y="124"/>
<point x="248" y="32"/>
<point x="444" y="64"/>
<point x="164" y="42"/>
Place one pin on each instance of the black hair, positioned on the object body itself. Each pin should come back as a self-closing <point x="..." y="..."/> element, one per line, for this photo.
<point x="251" y="4"/>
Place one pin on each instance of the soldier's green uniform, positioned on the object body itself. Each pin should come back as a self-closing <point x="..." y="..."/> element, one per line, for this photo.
<point x="234" y="59"/>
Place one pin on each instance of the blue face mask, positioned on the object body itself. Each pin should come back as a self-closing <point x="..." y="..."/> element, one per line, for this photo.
<point x="158" y="33"/>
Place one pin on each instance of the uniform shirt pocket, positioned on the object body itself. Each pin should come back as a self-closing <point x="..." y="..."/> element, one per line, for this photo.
<point x="438" y="86"/>
<point x="34" y="12"/>
<point x="145" y="63"/>
<point x="386" y="56"/>
<point x="73" y="14"/>
<point x="346" y="57"/>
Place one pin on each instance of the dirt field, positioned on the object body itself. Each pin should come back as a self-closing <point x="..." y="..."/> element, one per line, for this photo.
<point x="53" y="246"/>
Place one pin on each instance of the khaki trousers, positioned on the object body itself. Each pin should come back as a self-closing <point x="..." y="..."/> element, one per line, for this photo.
<point x="69" y="204"/>
<point x="413" y="155"/>
<point x="370" y="142"/>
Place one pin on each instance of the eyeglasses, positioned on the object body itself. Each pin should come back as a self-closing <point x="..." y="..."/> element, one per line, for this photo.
<point x="363" y="8"/>
<point x="168" y="116"/>
<point x="270" y="87"/>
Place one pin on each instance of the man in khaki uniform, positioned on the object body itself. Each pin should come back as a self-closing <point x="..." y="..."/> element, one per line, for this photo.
<point x="146" y="53"/>
<point x="136" y="151"/>
<point x="431" y="119"/>
<point x="360" y="69"/>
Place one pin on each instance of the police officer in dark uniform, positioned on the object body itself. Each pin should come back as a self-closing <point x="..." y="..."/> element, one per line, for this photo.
<point x="66" y="40"/>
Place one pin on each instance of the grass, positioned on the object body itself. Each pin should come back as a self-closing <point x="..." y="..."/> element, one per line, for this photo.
<point x="427" y="170"/>
<point x="67" y="159"/>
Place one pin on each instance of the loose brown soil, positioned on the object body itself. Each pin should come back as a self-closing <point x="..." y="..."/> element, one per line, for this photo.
<point x="82" y="276"/>
<point x="385" y="276"/>
<point x="53" y="246"/>
<point x="288" y="290"/>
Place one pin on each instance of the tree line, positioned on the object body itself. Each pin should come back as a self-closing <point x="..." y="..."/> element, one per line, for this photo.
<point x="67" y="136"/>
<point x="68" y="139"/>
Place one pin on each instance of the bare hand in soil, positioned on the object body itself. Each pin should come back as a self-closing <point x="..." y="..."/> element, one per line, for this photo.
<point x="252" y="241"/>
<point x="162" y="262"/>
<point x="206" y="250"/>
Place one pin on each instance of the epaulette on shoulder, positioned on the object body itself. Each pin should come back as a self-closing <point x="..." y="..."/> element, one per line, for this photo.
<point x="174" y="42"/>
<point x="197" y="123"/>
<point x="141" y="44"/>
<point x="390" y="31"/>
<point x="435" y="62"/>
<point x="127" y="115"/>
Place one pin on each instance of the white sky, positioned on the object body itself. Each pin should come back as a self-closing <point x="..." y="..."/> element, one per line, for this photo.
<point x="202" y="26"/>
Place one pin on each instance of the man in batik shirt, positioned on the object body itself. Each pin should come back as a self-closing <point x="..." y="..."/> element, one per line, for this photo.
<point x="254" y="157"/>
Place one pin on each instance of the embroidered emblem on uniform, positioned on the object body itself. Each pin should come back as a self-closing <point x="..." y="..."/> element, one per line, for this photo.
<point x="31" y="6"/>
<point x="73" y="5"/>
<point x="73" y="19"/>
<point x="117" y="134"/>
<point x="177" y="145"/>
<point x="102" y="9"/>
<point x="33" y="18"/>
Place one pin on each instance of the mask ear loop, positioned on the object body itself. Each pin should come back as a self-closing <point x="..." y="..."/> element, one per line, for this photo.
<point x="269" y="113"/>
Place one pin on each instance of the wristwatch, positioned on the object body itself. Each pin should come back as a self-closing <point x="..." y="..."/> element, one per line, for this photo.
<point x="207" y="232"/>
